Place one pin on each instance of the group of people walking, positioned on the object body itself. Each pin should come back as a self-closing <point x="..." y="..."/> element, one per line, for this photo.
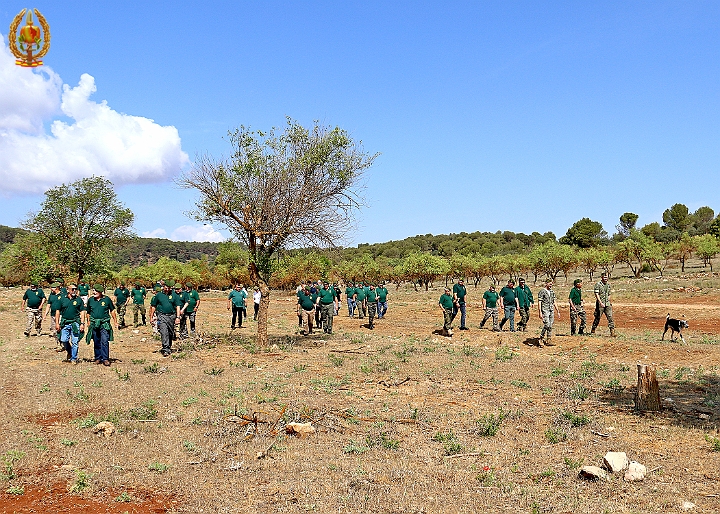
<point x="83" y="310"/>
<point x="512" y="300"/>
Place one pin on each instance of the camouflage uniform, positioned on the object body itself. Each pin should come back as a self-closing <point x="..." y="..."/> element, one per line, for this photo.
<point x="603" y="290"/>
<point x="546" y="297"/>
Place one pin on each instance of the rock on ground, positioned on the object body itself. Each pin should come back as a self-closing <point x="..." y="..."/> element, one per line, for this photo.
<point x="593" y="473"/>
<point x="635" y="472"/>
<point x="615" y="461"/>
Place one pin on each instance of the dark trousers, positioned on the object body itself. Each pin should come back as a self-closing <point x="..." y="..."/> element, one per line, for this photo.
<point x="238" y="313"/>
<point x="256" y="309"/>
<point x="101" y="344"/>
<point x="461" y="308"/>
<point x="166" y="327"/>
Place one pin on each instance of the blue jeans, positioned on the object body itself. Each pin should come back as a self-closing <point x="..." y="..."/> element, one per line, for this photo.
<point x="382" y="309"/>
<point x="69" y="341"/>
<point x="101" y="343"/>
<point x="509" y="315"/>
<point x="351" y="307"/>
<point x="462" y="311"/>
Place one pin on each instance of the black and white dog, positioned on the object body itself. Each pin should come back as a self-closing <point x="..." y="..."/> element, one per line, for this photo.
<point x="675" y="325"/>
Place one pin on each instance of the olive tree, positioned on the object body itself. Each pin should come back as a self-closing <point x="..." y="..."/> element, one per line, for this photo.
<point x="300" y="187"/>
<point x="82" y="223"/>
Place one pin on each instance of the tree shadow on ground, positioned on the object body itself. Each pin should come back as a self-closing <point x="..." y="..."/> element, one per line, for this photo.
<point x="531" y="341"/>
<point x="689" y="403"/>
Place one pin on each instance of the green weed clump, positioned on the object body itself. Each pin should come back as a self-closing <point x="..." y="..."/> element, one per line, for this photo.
<point x="450" y="442"/>
<point x="576" y="420"/>
<point x="82" y="481"/>
<point x="714" y="443"/>
<point x="144" y="412"/>
<point x="504" y="354"/>
<point x="489" y="424"/>
<point x="555" y="435"/>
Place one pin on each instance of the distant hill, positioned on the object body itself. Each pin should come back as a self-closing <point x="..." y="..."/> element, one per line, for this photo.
<point x="144" y="249"/>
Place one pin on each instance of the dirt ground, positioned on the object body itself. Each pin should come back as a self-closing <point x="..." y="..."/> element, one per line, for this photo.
<point x="406" y="420"/>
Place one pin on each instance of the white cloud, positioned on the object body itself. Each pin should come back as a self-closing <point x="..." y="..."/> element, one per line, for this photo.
<point x="158" y="232"/>
<point x="200" y="233"/>
<point x="99" y="141"/>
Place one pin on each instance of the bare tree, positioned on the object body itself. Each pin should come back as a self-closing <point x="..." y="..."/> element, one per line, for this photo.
<point x="277" y="191"/>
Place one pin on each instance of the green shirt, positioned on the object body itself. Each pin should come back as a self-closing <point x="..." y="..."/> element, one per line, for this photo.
<point x="524" y="296"/>
<point x="70" y="308"/>
<point x="237" y="297"/>
<point x="138" y="295"/>
<point x="360" y="294"/>
<point x="575" y="295"/>
<point x="100" y="309"/>
<point x="603" y="290"/>
<point x="306" y="301"/>
<point x="121" y="295"/>
<point x="460" y="292"/>
<point x="54" y="302"/>
<point x="372" y="296"/>
<point x="491" y="298"/>
<point x="166" y="303"/>
<point x="83" y="289"/>
<point x="192" y="299"/>
<point x="349" y="292"/>
<point x="34" y="298"/>
<point x="382" y="294"/>
<point x="508" y="295"/>
<point x="327" y="296"/>
<point x="446" y="301"/>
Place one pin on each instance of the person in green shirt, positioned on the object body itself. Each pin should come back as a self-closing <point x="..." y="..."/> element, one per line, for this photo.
<point x="360" y="302"/>
<point x="382" y="294"/>
<point x="122" y="297"/>
<point x="180" y="292"/>
<point x="350" y="297"/>
<point x="193" y="304"/>
<point x="509" y="304"/>
<point x="165" y="306"/>
<point x="489" y="303"/>
<point x="138" y="294"/>
<point x="525" y="301"/>
<point x="70" y="322"/>
<point x="51" y="306"/>
<point x="326" y="304"/>
<point x="577" y="309"/>
<point x="371" y="305"/>
<point x="84" y="291"/>
<point x="446" y="305"/>
<point x="459" y="293"/>
<point x="101" y="312"/>
<point x="32" y="303"/>
<point x="236" y="302"/>
<point x="306" y="306"/>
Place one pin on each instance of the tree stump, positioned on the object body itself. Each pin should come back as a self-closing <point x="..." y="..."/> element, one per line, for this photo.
<point x="647" y="396"/>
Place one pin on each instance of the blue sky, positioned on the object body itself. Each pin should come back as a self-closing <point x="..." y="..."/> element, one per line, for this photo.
<point x="522" y="116"/>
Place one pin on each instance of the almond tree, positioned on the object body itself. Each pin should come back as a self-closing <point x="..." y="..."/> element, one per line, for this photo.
<point x="281" y="190"/>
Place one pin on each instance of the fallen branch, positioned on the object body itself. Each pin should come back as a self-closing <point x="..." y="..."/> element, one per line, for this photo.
<point x="350" y="350"/>
<point x="382" y="382"/>
<point x="457" y="455"/>
<point x="600" y="434"/>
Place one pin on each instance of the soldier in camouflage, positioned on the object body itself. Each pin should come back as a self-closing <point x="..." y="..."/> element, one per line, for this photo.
<point x="547" y="308"/>
<point x="603" y="305"/>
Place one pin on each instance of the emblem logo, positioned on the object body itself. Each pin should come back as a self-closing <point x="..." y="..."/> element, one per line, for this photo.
<point x="29" y="44"/>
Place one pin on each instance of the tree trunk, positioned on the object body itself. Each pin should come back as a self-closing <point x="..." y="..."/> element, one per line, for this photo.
<point x="262" y="324"/>
<point x="647" y="396"/>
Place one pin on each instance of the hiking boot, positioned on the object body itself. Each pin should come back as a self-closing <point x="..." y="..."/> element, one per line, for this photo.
<point x="581" y="332"/>
<point x="592" y="330"/>
<point x="106" y="363"/>
<point x="27" y="334"/>
<point x="612" y="332"/>
<point x="572" y="332"/>
<point x="482" y="324"/>
<point x="548" y="341"/>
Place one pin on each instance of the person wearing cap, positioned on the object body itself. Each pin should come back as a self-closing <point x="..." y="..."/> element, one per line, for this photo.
<point x="371" y="305"/>
<point x="459" y="292"/>
<point x="326" y="304"/>
<point x="525" y="301"/>
<point x="547" y="308"/>
<point x="489" y="303"/>
<point x="603" y="305"/>
<point x="577" y="309"/>
<point x="360" y="303"/>
<point x="236" y="302"/>
<point x="70" y="323"/>
<point x="32" y="303"/>
<point x="101" y="311"/>
<point x="180" y="292"/>
<point x="382" y="294"/>
<point x="165" y="307"/>
<point x="193" y="300"/>
<point x="446" y="306"/>
<point x="257" y="297"/>
<point x="122" y="297"/>
<point x="138" y="294"/>
<point x="306" y="305"/>
<point x="51" y="306"/>
<point x="509" y="304"/>
<point x="84" y="291"/>
<point x="350" y="297"/>
<point x="63" y="289"/>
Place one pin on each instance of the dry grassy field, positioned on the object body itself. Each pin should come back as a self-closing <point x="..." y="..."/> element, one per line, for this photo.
<point x="406" y="420"/>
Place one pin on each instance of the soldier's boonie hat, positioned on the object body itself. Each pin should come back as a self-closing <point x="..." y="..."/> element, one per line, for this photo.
<point x="548" y="281"/>
<point x="72" y="286"/>
<point x="511" y="281"/>
<point x="577" y="281"/>
<point x="61" y="280"/>
<point x="54" y="285"/>
<point x="99" y="288"/>
<point x="34" y="283"/>
<point x="521" y="279"/>
<point x="157" y="288"/>
<point x="189" y="285"/>
<point x="137" y="284"/>
<point x="122" y="283"/>
<point x="169" y="283"/>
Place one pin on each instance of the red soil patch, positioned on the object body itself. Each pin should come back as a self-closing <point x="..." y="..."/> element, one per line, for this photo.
<point x="56" y="499"/>
<point x="47" y="419"/>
